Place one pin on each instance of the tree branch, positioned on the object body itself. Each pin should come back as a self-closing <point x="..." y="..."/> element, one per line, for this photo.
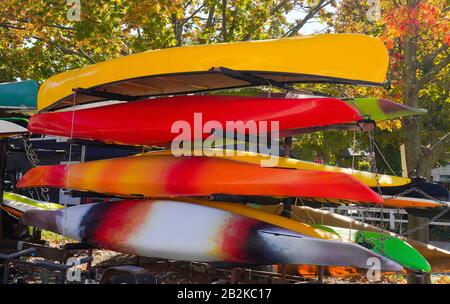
<point x="66" y="50"/>
<point x="81" y="53"/>
<point x="272" y="12"/>
<point x="187" y="4"/>
<point x="193" y="14"/>
<point x="433" y="72"/>
<point x="444" y="139"/>
<point x="209" y="21"/>
<point x="61" y="27"/>
<point x="311" y="14"/>
<point x="428" y="59"/>
<point x="433" y="153"/>
<point x="9" y="26"/>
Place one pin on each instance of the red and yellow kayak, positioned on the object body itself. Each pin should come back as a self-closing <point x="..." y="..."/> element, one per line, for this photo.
<point x="150" y="122"/>
<point x="367" y="178"/>
<point x="165" y="175"/>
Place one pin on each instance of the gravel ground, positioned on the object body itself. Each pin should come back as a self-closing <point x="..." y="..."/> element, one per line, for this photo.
<point x="176" y="272"/>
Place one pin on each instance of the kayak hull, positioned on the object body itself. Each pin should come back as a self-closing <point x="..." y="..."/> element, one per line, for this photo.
<point x="367" y="178"/>
<point x="9" y="129"/>
<point x="384" y="109"/>
<point x="17" y="204"/>
<point x="382" y="243"/>
<point x="152" y="122"/>
<point x="164" y="229"/>
<point x="147" y="175"/>
<point x="355" y="58"/>
<point x="18" y="95"/>
<point x="413" y="202"/>
<point x="438" y="258"/>
<point x="386" y="245"/>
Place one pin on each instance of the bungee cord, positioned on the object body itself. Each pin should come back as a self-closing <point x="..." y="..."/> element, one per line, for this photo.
<point x="425" y="223"/>
<point x="30" y="152"/>
<point x="66" y="200"/>
<point x="372" y="145"/>
<point x="384" y="159"/>
<point x="34" y="160"/>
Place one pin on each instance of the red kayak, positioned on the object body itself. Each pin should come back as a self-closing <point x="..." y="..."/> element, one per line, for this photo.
<point x="149" y="122"/>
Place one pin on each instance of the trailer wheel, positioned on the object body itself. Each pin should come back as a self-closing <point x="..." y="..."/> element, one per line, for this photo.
<point x="127" y="275"/>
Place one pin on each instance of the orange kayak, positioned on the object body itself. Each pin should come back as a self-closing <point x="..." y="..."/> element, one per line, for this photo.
<point x="412" y="202"/>
<point x="148" y="175"/>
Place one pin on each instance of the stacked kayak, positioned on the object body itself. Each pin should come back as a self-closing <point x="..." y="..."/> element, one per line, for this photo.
<point x="167" y="212"/>
<point x="150" y="122"/>
<point x="148" y="175"/>
<point x="371" y="109"/>
<point x="389" y="246"/>
<point x="140" y="227"/>
<point x="383" y="109"/>
<point x="355" y="59"/>
<point x="8" y="129"/>
<point x="17" y="204"/>
<point x="367" y="178"/>
<point x="420" y="256"/>
<point x="20" y="95"/>
<point x="438" y="258"/>
<point x="228" y="233"/>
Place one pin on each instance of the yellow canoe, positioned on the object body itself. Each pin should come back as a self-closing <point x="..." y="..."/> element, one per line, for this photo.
<point x="341" y="58"/>
<point x="367" y="178"/>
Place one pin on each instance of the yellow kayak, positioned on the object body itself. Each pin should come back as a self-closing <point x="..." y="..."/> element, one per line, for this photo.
<point x="367" y="178"/>
<point x="339" y="58"/>
<point x="265" y="216"/>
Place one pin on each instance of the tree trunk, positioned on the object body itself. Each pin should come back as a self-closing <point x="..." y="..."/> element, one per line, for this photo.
<point x="411" y="129"/>
<point x="427" y="162"/>
<point x="177" y="30"/>
<point x="421" y="235"/>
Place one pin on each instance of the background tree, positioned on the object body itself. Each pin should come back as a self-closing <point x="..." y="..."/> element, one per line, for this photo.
<point x="416" y="34"/>
<point x="37" y="41"/>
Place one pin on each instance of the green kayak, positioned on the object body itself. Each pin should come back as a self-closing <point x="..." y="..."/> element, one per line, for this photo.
<point x="372" y="108"/>
<point x="385" y="245"/>
<point x="382" y="109"/>
<point x="14" y="197"/>
<point x="18" y="95"/>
